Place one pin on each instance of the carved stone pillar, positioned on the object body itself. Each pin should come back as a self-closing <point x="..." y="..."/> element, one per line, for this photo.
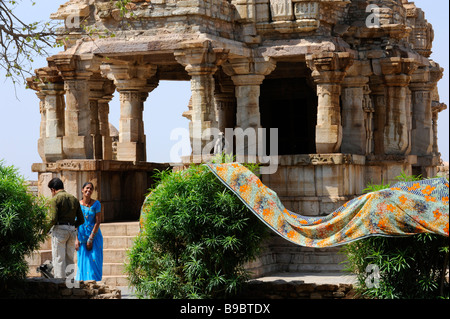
<point x="95" y="93"/>
<point x="329" y="69"/>
<point x="225" y="107"/>
<point x="247" y="77"/>
<point x="103" y="113"/>
<point x="77" y="138"/>
<point x="436" y="108"/>
<point x="201" y="62"/>
<point x="354" y="139"/>
<point x="131" y="80"/>
<point x="54" y="121"/>
<point x="422" y="86"/>
<point x="49" y="88"/>
<point x="43" y="125"/>
<point x="397" y="76"/>
<point x="225" y="99"/>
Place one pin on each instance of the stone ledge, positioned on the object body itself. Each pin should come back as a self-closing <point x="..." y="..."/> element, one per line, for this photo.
<point x="95" y="165"/>
<point x="297" y="289"/>
<point x="43" y="288"/>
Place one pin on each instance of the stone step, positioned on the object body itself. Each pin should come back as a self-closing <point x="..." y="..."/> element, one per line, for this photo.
<point x="116" y="242"/>
<point x="115" y="281"/>
<point x="113" y="269"/>
<point x="113" y="255"/>
<point x="120" y="229"/>
<point x="117" y="239"/>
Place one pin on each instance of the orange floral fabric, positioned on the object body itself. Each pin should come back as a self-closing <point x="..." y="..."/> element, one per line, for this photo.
<point x="405" y="209"/>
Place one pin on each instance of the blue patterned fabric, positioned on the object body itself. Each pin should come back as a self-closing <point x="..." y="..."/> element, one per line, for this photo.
<point x="90" y="262"/>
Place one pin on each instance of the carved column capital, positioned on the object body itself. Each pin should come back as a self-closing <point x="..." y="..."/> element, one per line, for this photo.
<point x="70" y="67"/>
<point x="132" y="76"/>
<point x="247" y="71"/>
<point x="398" y="66"/>
<point x="426" y="78"/>
<point x="329" y="67"/>
<point x="200" y="57"/>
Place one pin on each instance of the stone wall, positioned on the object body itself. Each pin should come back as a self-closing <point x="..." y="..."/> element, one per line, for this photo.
<point x="43" y="288"/>
<point x="279" y="255"/>
<point x="281" y="289"/>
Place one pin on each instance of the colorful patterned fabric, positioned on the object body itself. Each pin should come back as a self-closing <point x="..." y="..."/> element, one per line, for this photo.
<point x="406" y="208"/>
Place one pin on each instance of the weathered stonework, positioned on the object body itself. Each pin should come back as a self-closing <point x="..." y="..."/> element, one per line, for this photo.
<point x="43" y="288"/>
<point x="354" y="102"/>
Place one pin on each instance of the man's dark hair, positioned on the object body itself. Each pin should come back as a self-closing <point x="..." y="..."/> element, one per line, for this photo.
<point x="56" y="184"/>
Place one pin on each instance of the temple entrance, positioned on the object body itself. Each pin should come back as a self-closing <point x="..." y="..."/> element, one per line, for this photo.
<point x="288" y="102"/>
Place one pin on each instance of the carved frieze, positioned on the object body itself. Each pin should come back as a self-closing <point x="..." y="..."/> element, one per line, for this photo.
<point x="307" y="15"/>
<point x="282" y="10"/>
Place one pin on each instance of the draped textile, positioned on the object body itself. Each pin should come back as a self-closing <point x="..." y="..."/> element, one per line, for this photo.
<point x="407" y="208"/>
<point x="90" y="262"/>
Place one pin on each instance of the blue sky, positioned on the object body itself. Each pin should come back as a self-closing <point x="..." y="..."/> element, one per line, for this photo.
<point x="20" y="118"/>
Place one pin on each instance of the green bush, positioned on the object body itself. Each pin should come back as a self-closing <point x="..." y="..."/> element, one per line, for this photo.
<point x="196" y="236"/>
<point x="408" y="267"/>
<point x="22" y="224"/>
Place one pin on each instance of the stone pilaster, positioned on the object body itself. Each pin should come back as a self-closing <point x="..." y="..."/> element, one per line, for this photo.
<point x="377" y="88"/>
<point x="201" y="62"/>
<point x="422" y="86"/>
<point x="134" y="82"/>
<point x="329" y="69"/>
<point x="397" y="76"/>
<point x="354" y="118"/>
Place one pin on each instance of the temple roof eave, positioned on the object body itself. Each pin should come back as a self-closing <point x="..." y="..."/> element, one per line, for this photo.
<point x="298" y="48"/>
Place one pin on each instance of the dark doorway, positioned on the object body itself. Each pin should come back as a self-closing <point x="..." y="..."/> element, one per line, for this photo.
<point x="290" y="105"/>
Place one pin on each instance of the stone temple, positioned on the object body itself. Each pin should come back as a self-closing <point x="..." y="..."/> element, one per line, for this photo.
<point x="348" y="83"/>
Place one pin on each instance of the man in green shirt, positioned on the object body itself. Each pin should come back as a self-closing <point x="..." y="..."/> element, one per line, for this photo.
<point x="65" y="217"/>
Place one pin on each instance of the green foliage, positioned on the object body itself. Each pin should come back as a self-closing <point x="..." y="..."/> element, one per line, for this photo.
<point x="408" y="267"/>
<point x="195" y="239"/>
<point x="22" y="224"/>
<point x="21" y="42"/>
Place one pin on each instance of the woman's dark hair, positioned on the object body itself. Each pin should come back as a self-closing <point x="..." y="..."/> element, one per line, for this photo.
<point x="88" y="183"/>
<point x="56" y="184"/>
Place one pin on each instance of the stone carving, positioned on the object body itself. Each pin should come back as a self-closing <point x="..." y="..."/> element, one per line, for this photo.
<point x="282" y="10"/>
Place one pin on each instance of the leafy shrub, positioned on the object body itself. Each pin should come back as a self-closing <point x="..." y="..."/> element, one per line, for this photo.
<point x="22" y="225"/>
<point x="196" y="237"/>
<point x="409" y="267"/>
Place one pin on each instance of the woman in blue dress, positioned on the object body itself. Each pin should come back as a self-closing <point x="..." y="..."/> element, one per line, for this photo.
<point x="90" y="240"/>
